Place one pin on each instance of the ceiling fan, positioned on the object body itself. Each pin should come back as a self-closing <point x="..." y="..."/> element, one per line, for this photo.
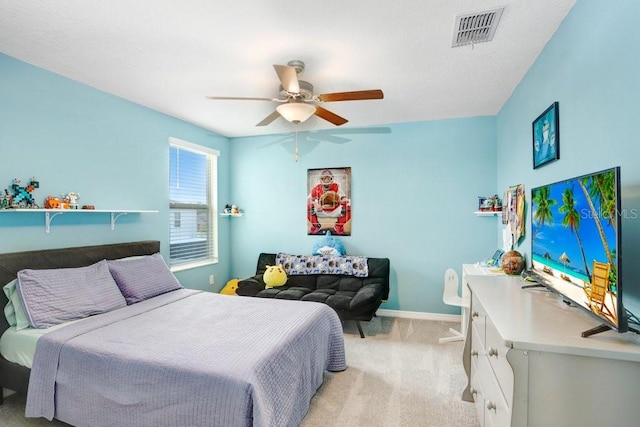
<point x="297" y="101"/>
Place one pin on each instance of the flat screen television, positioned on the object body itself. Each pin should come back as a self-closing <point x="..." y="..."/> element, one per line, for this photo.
<point x="576" y="229"/>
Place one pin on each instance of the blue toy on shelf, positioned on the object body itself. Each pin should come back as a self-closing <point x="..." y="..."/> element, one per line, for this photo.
<point x="22" y="196"/>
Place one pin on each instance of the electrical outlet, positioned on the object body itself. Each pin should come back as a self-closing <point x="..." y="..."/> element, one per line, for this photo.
<point x="211" y="279"/>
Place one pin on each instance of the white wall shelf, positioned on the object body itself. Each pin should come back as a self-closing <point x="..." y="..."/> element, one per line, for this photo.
<point x="230" y="214"/>
<point x="488" y="213"/>
<point x="49" y="214"/>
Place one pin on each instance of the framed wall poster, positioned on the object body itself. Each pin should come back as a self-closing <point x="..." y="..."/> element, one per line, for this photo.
<point x="329" y="201"/>
<point x="546" y="136"/>
<point x="514" y="213"/>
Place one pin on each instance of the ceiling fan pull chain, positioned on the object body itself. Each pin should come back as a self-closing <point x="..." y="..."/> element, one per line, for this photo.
<point x="296" y="157"/>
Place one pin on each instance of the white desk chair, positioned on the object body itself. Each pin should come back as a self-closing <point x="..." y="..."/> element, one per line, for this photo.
<point x="451" y="297"/>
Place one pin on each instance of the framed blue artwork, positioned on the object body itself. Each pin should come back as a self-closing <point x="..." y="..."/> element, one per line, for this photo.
<point x="546" y="136"/>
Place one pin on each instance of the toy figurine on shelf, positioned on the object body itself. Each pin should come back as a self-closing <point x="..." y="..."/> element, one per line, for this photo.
<point x="55" y="203"/>
<point x="496" y="203"/>
<point x="72" y="198"/>
<point x="234" y="210"/>
<point x="6" y="200"/>
<point x="22" y="196"/>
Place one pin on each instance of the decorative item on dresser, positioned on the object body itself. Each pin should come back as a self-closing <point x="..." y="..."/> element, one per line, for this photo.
<point x="512" y="263"/>
<point x="528" y="365"/>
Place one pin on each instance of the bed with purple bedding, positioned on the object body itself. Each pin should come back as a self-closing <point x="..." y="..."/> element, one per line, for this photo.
<point x="184" y="357"/>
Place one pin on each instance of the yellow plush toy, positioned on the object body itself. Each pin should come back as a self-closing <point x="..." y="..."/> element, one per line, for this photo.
<point x="230" y="287"/>
<point x="274" y="276"/>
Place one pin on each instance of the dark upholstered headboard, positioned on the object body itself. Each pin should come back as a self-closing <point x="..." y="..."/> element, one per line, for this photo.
<point x="11" y="263"/>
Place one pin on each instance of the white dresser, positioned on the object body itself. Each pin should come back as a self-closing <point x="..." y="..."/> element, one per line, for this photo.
<point x="528" y="365"/>
<point x="468" y="271"/>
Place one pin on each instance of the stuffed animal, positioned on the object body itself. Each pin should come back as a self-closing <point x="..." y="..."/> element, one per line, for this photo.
<point x="274" y="276"/>
<point x="328" y="246"/>
<point x="230" y="287"/>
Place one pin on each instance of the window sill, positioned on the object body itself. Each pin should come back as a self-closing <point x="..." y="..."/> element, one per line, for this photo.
<point x="192" y="265"/>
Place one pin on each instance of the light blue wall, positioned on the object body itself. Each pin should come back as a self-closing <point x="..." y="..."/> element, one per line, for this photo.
<point x="111" y="151"/>
<point x="414" y="191"/>
<point x="590" y="67"/>
<point x="414" y="188"/>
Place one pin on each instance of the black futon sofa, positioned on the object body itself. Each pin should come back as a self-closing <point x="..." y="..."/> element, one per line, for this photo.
<point x="353" y="298"/>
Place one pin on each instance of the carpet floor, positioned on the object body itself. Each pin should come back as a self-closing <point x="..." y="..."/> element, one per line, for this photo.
<point x="399" y="375"/>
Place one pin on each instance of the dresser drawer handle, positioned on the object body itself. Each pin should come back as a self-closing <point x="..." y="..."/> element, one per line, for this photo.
<point x="491" y="406"/>
<point x="474" y="353"/>
<point x="473" y="391"/>
<point x="475" y="314"/>
<point x="493" y="352"/>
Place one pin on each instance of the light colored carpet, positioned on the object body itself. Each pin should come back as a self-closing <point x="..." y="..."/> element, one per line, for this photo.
<point x="399" y="375"/>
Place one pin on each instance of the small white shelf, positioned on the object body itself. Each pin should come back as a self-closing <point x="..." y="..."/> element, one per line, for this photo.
<point x="49" y="214"/>
<point x="488" y="213"/>
<point x="230" y="214"/>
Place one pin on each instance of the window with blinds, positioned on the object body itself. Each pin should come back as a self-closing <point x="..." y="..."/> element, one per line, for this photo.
<point x="193" y="236"/>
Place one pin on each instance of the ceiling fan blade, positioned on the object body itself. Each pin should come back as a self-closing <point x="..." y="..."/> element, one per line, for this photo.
<point x="267" y="120"/>
<point x="358" y="95"/>
<point x="358" y="131"/>
<point x="236" y="98"/>
<point x="329" y="116"/>
<point x="288" y="77"/>
<point x="328" y="138"/>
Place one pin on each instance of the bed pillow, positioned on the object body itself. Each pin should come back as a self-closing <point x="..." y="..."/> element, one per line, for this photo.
<point x="9" y="310"/>
<point x="13" y="311"/>
<point x="53" y="296"/>
<point x="143" y="278"/>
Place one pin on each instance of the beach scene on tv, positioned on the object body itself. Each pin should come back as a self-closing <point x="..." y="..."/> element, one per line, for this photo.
<point x="574" y="240"/>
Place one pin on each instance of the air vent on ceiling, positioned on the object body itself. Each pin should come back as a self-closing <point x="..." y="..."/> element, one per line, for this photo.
<point x="476" y="27"/>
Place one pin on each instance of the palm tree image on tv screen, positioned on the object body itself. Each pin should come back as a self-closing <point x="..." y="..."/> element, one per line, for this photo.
<point x="575" y="243"/>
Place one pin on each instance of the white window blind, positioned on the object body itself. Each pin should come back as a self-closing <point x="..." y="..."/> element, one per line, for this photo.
<point x="193" y="227"/>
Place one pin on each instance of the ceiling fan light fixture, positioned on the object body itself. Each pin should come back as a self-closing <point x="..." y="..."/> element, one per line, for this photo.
<point x="296" y="112"/>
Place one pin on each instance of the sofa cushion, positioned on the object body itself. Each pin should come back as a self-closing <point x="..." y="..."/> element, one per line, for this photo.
<point x="366" y="294"/>
<point x="249" y="287"/>
<point x="295" y="293"/>
<point x="308" y="282"/>
<point x="339" y="283"/>
<point x="341" y="301"/>
<point x="267" y="293"/>
<point x="319" y="295"/>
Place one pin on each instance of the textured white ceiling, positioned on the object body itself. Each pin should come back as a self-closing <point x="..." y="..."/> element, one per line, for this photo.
<point x="169" y="54"/>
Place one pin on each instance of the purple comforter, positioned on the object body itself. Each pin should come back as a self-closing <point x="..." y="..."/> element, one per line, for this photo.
<point x="188" y="358"/>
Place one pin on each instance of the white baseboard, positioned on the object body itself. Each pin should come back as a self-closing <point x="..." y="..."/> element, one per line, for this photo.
<point x="419" y="315"/>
